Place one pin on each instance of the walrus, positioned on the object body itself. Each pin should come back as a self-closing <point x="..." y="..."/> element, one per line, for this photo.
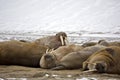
<point x="87" y="44"/>
<point x="24" y="41"/>
<point x="101" y="42"/>
<point x="105" y="43"/>
<point x="104" y="61"/>
<point x="50" y="59"/>
<point x="74" y="60"/>
<point x="21" y="53"/>
<point x="53" y="42"/>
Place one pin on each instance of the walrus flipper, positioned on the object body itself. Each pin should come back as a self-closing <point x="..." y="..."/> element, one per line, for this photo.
<point x="59" y="68"/>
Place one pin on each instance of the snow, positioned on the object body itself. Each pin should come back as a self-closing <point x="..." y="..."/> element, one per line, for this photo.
<point x="34" y="16"/>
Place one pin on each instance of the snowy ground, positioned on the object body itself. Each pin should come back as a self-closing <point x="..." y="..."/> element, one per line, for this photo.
<point x="60" y="15"/>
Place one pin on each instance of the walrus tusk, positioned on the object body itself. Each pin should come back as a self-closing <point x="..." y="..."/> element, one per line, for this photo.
<point x="51" y="50"/>
<point x="62" y="41"/>
<point x="47" y="50"/>
<point x="93" y="70"/>
<point x="66" y="41"/>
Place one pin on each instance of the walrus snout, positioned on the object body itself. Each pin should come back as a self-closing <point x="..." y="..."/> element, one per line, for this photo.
<point x="63" y="38"/>
<point x="100" y="67"/>
<point x="48" y="61"/>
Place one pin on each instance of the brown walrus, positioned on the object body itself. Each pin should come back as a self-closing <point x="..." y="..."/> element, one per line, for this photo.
<point x="87" y="44"/>
<point x="20" y="48"/>
<point x="101" y="42"/>
<point x="53" y="42"/>
<point x="105" y="43"/>
<point x="24" y="41"/>
<point x="21" y="53"/>
<point x="74" y="60"/>
<point x="104" y="61"/>
<point x="50" y="59"/>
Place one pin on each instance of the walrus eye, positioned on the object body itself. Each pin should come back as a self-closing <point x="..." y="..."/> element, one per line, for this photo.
<point x="100" y="68"/>
<point x="48" y="57"/>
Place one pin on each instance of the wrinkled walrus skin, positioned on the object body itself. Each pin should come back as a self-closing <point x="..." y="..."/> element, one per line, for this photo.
<point x="104" y="61"/>
<point x="50" y="59"/>
<point x="53" y="42"/>
<point x="74" y="60"/>
<point x="20" y="53"/>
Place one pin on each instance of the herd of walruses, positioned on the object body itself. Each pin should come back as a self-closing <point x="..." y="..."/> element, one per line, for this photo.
<point x="56" y="53"/>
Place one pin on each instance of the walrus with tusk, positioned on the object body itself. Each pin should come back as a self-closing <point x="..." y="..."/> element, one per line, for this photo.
<point x="53" y="42"/>
<point x="27" y="53"/>
<point x="50" y="59"/>
<point x="104" y="61"/>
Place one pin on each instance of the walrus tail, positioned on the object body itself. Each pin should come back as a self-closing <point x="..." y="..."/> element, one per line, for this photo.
<point x="59" y="68"/>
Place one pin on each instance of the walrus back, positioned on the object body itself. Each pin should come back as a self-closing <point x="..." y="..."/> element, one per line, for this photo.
<point x="75" y="59"/>
<point x="19" y="53"/>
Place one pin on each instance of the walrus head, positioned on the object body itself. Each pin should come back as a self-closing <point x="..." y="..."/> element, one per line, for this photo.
<point x="100" y="67"/>
<point x="103" y="42"/>
<point x="102" y="62"/>
<point x="48" y="60"/>
<point x="62" y="36"/>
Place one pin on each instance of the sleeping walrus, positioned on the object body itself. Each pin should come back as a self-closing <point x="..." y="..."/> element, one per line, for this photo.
<point x="87" y="44"/>
<point x="74" y="60"/>
<point x="105" y="43"/>
<point x="53" y="42"/>
<point x="101" y="42"/>
<point x="21" y="53"/>
<point x="104" y="61"/>
<point x="50" y="59"/>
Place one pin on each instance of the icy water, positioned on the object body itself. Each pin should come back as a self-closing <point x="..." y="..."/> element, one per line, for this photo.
<point x="74" y="37"/>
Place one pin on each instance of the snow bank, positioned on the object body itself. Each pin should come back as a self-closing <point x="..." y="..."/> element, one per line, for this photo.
<point x="60" y="15"/>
